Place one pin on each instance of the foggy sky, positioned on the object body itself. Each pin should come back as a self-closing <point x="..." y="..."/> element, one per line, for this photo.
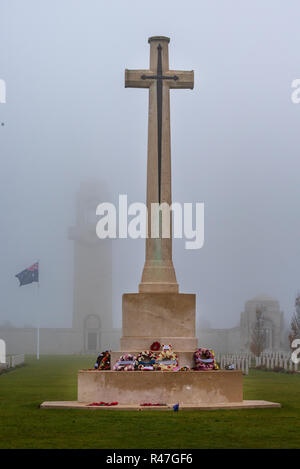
<point x="235" y="145"/>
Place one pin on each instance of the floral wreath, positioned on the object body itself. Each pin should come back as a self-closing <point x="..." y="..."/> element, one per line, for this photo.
<point x="146" y="360"/>
<point x="126" y="362"/>
<point x="166" y="359"/>
<point x="155" y="347"/>
<point x="184" y="368"/>
<point x="205" y="359"/>
<point x="103" y="361"/>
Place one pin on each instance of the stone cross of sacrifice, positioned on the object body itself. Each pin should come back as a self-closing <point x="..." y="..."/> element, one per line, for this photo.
<point x="159" y="274"/>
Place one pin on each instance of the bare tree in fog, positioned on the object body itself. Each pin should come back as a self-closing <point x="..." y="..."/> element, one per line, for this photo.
<point x="295" y="321"/>
<point x="258" y="336"/>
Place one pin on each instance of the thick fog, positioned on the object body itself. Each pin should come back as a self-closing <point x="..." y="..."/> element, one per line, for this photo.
<point x="235" y="145"/>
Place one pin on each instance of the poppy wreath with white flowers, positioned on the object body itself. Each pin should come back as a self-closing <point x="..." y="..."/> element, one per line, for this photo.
<point x="205" y="359"/>
<point x="125" y="363"/>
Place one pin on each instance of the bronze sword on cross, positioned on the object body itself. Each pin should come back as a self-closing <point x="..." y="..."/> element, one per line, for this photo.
<point x="148" y="78"/>
<point x="159" y="77"/>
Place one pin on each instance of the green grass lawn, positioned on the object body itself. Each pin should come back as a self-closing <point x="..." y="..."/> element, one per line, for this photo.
<point x="24" y="425"/>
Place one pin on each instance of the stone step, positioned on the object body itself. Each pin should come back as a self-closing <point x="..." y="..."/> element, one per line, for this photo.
<point x="168" y="407"/>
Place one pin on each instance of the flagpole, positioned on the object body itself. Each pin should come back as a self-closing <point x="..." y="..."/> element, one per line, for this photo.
<point x="38" y="316"/>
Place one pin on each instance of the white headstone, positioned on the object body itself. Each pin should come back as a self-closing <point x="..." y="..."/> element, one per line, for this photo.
<point x="2" y="351"/>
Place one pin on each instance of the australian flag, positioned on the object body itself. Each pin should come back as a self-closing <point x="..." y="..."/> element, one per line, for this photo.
<point x="29" y="275"/>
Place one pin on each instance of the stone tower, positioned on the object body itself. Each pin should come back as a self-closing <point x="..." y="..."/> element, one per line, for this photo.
<point x="273" y="322"/>
<point x="92" y="307"/>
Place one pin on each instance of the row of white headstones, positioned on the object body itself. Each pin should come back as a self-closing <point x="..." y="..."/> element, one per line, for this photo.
<point x="269" y="360"/>
<point x="9" y="361"/>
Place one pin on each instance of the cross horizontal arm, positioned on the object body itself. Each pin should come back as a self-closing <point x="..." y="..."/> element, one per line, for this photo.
<point x="144" y="78"/>
<point x="184" y="80"/>
<point x="133" y="79"/>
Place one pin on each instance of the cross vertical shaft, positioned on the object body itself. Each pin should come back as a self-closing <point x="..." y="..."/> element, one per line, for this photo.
<point x="159" y="274"/>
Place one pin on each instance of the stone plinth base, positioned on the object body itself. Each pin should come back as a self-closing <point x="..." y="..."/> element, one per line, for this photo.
<point x="165" y="317"/>
<point x="135" y="387"/>
<point x="229" y="405"/>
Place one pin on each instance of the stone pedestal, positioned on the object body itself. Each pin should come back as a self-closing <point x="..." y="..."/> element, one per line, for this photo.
<point x="168" y="318"/>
